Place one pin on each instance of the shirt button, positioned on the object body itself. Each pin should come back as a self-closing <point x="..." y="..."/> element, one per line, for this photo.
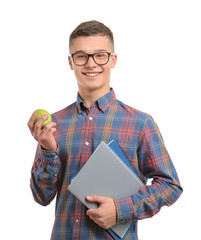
<point x="77" y="220"/>
<point x="90" y="118"/>
<point x="86" y="143"/>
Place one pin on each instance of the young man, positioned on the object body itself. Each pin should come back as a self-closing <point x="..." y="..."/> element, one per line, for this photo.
<point x="65" y="145"/>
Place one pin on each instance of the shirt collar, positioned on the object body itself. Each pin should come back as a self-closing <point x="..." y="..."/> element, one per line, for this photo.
<point x="103" y="103"/>
<point x="80" y="102"/>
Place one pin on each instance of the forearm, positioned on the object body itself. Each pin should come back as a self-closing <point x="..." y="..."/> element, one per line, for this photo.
<point x="44" y="176"/>
<point x="148" y="201"/>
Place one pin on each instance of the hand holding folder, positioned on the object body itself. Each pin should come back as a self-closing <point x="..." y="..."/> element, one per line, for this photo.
<point x="105" y="216"/>
<point x="107" y="173"/>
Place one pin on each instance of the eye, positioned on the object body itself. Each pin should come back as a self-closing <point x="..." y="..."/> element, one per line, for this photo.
<point x="101" y="55"/>
<point x="80" y="56"/>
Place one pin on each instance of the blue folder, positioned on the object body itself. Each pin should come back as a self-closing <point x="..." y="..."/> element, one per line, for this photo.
<point x="114" y="145"/>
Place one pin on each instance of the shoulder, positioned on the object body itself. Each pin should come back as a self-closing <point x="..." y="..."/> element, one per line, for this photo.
<point x="133" y="112"/>
<point x="141" y="121"/>
<point x="133" y="117"/>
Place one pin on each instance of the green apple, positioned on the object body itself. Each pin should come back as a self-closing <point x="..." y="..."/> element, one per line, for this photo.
<point x="40" y="113"/>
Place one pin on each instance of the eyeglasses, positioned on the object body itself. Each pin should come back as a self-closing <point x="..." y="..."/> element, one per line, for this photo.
<point x="100" y="58"/>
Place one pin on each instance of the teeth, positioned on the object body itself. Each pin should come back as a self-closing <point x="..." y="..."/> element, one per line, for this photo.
<point x="92" y="74"/>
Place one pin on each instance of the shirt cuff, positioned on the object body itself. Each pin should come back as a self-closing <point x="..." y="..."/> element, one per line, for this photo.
<point x="125" y="209"/>
<point x="50" y="157"/>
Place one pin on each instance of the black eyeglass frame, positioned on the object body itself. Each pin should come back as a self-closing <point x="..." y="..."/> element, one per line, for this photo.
<point x="91" y="55"/>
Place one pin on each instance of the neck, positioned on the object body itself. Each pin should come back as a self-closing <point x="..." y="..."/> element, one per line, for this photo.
<point x="89" y="97"/>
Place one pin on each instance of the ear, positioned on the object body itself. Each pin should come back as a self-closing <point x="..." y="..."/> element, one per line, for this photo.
<point x="70" y="61"/>
<point x="114" y="60"/>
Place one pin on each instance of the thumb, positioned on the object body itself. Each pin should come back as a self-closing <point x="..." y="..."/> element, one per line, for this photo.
<point x="98" y="199"/>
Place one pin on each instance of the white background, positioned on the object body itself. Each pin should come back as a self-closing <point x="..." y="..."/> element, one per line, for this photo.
<point x="158" y="71"/>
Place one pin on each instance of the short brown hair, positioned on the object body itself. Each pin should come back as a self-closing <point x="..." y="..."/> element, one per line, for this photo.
<point x="91" y="28"/>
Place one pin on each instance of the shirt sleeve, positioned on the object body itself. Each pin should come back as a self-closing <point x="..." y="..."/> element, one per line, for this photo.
<point x="154" y="162"/>
<point x="44" y="176"/>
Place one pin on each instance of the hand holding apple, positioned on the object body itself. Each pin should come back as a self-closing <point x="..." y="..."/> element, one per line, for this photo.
<point x="42" y="129"/>
<point x="40" y="113"/>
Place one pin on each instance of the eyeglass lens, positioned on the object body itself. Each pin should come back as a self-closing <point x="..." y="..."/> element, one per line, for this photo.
<point x="100" y="58"/>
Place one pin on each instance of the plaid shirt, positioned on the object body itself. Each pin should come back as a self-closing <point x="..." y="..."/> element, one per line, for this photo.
<point x="79" y="131"/>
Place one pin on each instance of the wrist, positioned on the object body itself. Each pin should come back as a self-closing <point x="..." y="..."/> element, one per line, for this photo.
<point x="125" y="209"/>
<point x="49" y="157"/>
<point x="54" y="149"/>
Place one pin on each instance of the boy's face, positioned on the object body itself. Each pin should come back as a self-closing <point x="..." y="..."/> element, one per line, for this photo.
<point x="92" y="76"/>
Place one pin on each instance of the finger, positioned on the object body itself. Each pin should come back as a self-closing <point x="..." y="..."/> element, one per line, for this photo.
<point x="95" y="220"/>
<point x="38" y="127"/>
<point x="31" y="122"/>
<point x="50" y="127"/>
<point x="98" y="199"/>
<point x="45" y="135"/>
<point x="51" y="132"/>
<point x="96" y="217"/>
<point x="93" y="215"/>
<point x="39" y="123"/>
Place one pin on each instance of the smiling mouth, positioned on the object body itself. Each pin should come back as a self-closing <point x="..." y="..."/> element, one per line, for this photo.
<point x="91" y="74"/>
